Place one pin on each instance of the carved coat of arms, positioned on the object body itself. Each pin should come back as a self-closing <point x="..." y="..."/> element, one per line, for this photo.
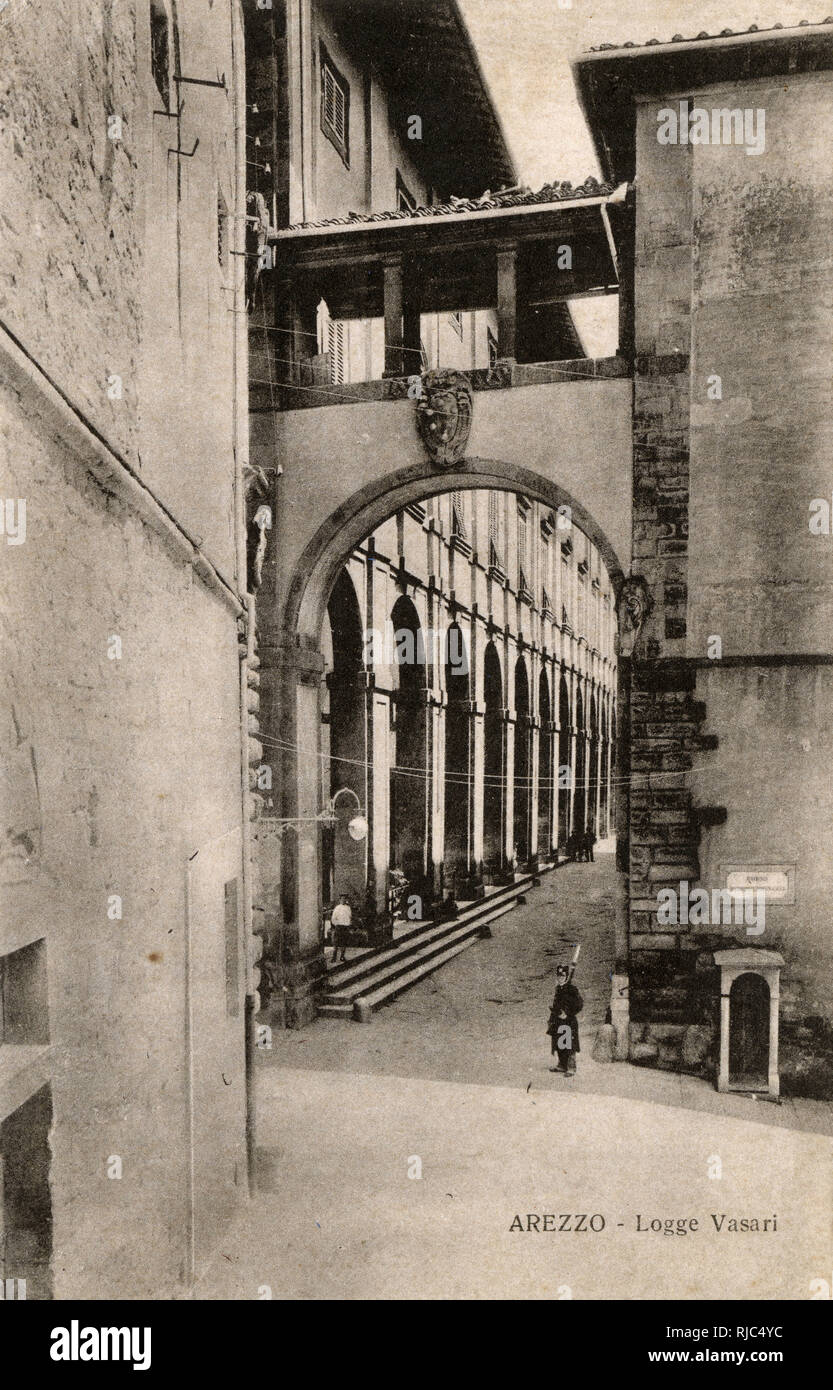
<point x="444" y="416"/>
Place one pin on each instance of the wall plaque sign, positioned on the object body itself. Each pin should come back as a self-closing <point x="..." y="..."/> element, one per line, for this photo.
<point x="777" y="881"/>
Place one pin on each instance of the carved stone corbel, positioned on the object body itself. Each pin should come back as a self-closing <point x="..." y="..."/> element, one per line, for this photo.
<point x="633" y="605"/>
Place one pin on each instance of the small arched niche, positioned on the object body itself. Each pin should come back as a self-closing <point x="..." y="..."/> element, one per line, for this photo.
<point x="749" y="994"/>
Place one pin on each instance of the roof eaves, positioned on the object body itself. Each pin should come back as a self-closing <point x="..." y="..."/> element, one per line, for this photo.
<point x="481" y="76"/>
<point x="725" y="38"/>
<point x="547" y="198"/>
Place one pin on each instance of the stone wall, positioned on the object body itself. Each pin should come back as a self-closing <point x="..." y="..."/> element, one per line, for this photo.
<point x="121" y="702"/>
<point x="732" y="425"/>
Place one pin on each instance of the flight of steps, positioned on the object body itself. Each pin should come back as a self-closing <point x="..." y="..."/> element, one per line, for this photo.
<point x="355" y="989"/>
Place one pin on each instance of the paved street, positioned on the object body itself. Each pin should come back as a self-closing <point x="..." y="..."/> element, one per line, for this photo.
<point x="455" y="1074"/>
<point x="481" y="1019"/>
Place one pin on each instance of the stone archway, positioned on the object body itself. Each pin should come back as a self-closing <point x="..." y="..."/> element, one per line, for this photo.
<point x="323" y="557"/>
<point x="292" y="676"/>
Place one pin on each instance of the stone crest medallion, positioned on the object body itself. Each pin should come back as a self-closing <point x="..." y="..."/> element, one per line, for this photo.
<point x="445" y="410"/>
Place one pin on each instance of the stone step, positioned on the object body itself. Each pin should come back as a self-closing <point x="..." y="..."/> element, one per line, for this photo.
<point x="342" y="976"/>
<point x="361" y="1007"/>
<point x="381" y="974"/>
<point x="355" y="990"/>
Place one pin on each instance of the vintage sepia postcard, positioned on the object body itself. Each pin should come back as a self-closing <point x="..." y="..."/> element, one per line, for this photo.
<point x="416" y="422"/>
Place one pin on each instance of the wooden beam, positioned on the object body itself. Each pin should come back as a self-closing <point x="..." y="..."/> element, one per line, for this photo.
<point x="394" y="313"/>
<point x="507" y="302"/>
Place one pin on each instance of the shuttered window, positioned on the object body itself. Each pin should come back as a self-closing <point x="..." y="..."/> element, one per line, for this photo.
<point x="335" y="106"/>
<point x="458" y="523"/>
<point x="494" y="528"/>
<point x="336" y="346"/>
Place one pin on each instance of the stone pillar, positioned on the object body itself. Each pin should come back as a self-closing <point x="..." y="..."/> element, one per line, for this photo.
<point x="611" y="791"/>
<point x="289" y="843"/>
<point x="311" y="801"/>
<point x="622" y="813"/>
<point x="379" y="756"/>
<point x="597" y="772"/>
<point x="571" y="824"/>
<point x="435" y="795"/>
<point x="509" y="788"/>
<point x="552" y="773"/>
<point x="588" y="752"/>
<point x="534" y="735"/>
<point x="477" y="712"/>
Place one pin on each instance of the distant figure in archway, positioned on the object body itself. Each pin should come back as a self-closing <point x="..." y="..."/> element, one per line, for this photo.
<point x="341" y="922"/>
<point x="588" y="842"/>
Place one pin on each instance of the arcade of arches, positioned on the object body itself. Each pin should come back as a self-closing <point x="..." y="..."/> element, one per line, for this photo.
<point x="467" y="703"/>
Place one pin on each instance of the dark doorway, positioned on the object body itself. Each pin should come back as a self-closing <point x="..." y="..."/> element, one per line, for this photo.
<point x="494" y="768"/>
<point x="523" y="781"/>
<point x="749" y="1031"/>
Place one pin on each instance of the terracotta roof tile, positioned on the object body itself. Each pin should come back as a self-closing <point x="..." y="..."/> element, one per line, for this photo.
<point x="724" y="34"/>
<point x="555" y="192"/>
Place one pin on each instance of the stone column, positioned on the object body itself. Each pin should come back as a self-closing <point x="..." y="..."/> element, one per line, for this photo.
<point x="379" y="742"/>
<point x="509" y="788"/>
<point x="622" y="813"/>
<point x="597" y="770"/>
<point x="573" y="682"/>
<point x="435" y="794"/>
<point x="534" y="735"/>
<point x="552" y="773"/>
<point x="289" y="842"/>
<point x="477" y="711"/>
<point x="588" y="752"/>
<point x="311" y="802"/>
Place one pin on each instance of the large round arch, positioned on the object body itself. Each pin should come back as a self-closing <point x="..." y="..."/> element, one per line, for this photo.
<point x="290" y="637"/>
<point x="324" y="556"/>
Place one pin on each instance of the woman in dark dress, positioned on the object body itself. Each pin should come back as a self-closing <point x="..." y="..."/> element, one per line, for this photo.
<point x="567" y="1004"/>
